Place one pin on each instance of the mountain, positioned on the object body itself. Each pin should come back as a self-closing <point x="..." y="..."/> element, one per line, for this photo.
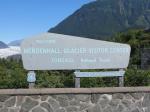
<point x="3" y="45"/>
<point x="15" y="43"/>
<point x="103" y="18"/>
<point x="15" y="57"/>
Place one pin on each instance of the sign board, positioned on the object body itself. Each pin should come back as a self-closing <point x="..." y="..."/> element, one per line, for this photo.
<point x="31" y="77"/>
<point x="100" y="74"/>
<point x="51" y="51"/>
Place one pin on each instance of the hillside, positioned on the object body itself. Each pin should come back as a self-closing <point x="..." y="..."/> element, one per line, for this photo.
<point x="15" y="43"/>
<point x="3" y="45"/>
<point x="138" y="40"/>
<point x="103" y="18"/>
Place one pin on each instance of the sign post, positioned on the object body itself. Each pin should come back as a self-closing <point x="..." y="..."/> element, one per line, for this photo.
<point x="31" y="78"/>
<point x="51" y="51"/>
<point x="77" y="80"/>
<point x="121" y="80"/>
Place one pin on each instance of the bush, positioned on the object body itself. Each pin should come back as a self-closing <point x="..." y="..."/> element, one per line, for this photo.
<point x="135" y="77"/>
<point x="12" y="75"/>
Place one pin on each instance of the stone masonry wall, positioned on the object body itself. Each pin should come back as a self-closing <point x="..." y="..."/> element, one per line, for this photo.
<point x="114" y="102"/>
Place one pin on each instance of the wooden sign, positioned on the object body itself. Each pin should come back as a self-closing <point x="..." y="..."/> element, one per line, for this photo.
<point x="51" y="51"/>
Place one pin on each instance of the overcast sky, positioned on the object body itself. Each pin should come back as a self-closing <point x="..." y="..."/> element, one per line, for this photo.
<point x="23" y="18"/>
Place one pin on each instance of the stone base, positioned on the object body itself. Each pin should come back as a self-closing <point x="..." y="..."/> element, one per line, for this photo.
<point x="76" y="100"/>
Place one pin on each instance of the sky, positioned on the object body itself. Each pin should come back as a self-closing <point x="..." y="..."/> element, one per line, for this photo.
<point x="20" y="19"/>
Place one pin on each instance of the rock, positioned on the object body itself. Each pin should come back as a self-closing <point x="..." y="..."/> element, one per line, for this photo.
<point x="28" y="105"/>
<point x="4" y="98"/>
<point x="53" y="103"/>
<point x="19" y="100"/>
<point x="95" y="109"/>
<point x="71" y="96"/>
<point x="54" y="96"/>
<point x="35" y="96"/>
<point x="72" y="109"/>
<point x="95" y="98"/>
<point x="4" y="110"/>
<point x="1" y="104"/>
<point x="60" y="110"/>
<point x="84" y="106"/>
<point x="146" y="100"/>
<point x="14" y="110"/>
<point x="63" y="101"/>
<point x="127" y="103"/>
<point x="107" y="109"/>
<point x="114" y="103"/>
<point x="103" y="101"/>
<point x="120" y="108"/>
<point x="139" y="103"/>
<point x="128" y="96"/>
<point x="44" y="97"/>
<point x="83" y="98"/>
<point x="135" y="110"/>
<point x="10" y="102"/>
<point x="47" y="107"/>
<point x="75" y="102"/>
<point x="38" y="109"/>
<point x="117" y="96"/>
<point x="137" y="96"/>
<point x="147" y="109"/>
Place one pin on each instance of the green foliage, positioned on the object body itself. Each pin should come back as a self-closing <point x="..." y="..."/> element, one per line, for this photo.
<point x="54" y="79"/>
<point x="99" y="82"/>
<point x="12" y="74"/>
<point x="45" y="79"/>
<point x="137" y="39"/>
<point x="134" y="77"/>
